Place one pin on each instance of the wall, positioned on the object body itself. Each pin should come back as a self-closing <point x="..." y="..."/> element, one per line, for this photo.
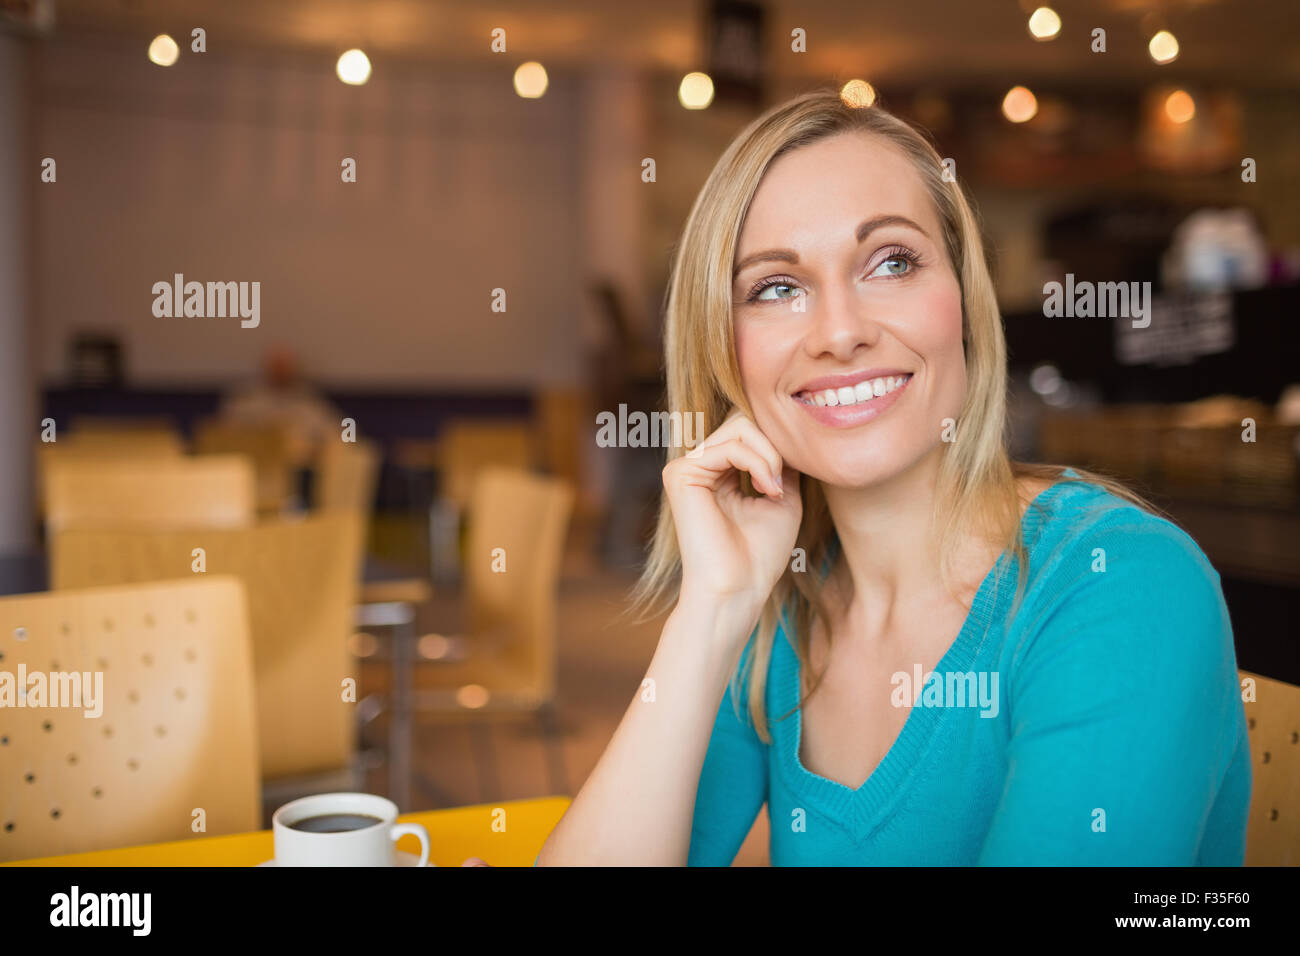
<point x="225" y="167"/>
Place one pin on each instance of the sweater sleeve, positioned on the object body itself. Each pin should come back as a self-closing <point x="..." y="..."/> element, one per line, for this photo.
<point x="1124" y="705"/>
<point x="732" y="789"/>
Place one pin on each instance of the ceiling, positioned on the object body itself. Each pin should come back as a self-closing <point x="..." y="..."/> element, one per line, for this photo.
<point x="1229" y="43"/>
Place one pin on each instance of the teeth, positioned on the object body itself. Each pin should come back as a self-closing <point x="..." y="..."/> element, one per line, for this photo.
<point x="853" y="394"/>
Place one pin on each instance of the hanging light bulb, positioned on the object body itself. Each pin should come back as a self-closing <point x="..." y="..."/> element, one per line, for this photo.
<point x="531" y="80"/>
<point x="695" y="91"/>
<point x="1163" y="47"/>
<point x="1044" y="23"/>
<point x="1019" y="105"/>
<point x="163" y="50"/>
<point x="353" y="68"/>
<point x="1179" y="106"/>
<point x="858" y="94"/>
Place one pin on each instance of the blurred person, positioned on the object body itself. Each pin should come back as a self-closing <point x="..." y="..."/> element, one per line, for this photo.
<point x="913" y="649"/>
<point x="282" y="396"/>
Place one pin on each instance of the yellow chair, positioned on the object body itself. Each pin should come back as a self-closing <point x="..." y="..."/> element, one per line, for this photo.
<point x="139" y="433"/>
<point x="464" y="449"/>
<point x="175" y="744"/>
<point x="273" y="449"/>
<point x="467" y="447"/>
<point x="103" y="444"/>
<point x="517" y="526"/>
<point x="1273" y="719"/>
<point x="345" y="476"/>
<point x="302" y="579"/>
<point x="215" y="492"/>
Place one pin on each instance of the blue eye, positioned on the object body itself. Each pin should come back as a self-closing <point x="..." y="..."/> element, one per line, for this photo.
<point x="900" y="260"/>
<point x="762" y="296"/>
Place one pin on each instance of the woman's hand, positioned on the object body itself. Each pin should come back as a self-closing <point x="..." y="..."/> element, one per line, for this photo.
<point x="734" y="547"/>
<point x="475" y="861"/>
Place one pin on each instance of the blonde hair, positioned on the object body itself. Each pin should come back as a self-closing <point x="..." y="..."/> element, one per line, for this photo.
<point x="978" y="484"/>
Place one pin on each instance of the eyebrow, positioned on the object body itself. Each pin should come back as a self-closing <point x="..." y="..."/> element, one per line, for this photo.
<point x="865" y="228"/>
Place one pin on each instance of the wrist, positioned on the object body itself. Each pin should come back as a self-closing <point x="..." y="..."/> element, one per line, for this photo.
<point x="724" y="622"/>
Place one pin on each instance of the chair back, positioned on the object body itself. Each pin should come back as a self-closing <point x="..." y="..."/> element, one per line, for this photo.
<point x="345" y="476"/>
<point x="167" y="745"/>
<point x="467" y="447"/>
<point x="272" y="449"/>
<point x="1273" y="719"/>
<point x="212" y="491"/>
<point x="150" y="435"/>
<point x="517" y="526"/>
<point x="302" y="577"/>
<point x="103" y="444"/>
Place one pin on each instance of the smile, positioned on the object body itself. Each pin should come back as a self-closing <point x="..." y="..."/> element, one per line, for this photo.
<point x="853" y="403"/>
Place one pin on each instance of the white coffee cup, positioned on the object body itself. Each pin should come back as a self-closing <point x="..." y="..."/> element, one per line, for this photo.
<point x="374" y="845"/>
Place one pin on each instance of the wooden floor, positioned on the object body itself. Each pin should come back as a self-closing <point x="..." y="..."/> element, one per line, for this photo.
<point x="602" y="661"/>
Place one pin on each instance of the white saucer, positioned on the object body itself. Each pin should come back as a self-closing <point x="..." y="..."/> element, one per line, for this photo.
<point x="403" y="859"/>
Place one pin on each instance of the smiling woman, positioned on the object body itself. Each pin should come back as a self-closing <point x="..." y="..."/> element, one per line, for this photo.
<point x="853" y="518"/>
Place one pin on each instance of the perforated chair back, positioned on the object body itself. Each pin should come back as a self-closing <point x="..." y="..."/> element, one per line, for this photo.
<point x="1273" y="719"/>
<point x="172" y="753"/>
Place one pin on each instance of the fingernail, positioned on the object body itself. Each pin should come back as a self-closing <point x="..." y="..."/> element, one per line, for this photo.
<point x="780" y="481"/>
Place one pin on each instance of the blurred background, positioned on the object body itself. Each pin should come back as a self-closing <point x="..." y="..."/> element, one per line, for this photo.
<point x="460" y="253"/>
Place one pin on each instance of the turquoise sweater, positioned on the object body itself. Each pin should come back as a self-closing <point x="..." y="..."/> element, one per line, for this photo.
<point x="1111" y="729"/>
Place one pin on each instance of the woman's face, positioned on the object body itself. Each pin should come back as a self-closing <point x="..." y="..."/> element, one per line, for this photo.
<point x="847" y="313"/>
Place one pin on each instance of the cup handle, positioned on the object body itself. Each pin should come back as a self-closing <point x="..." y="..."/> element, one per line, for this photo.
<point x="402" y="829"/>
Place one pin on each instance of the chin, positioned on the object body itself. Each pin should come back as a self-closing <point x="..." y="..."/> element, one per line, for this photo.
<point x="860" y="458"/>
<point x="869" y="471"/>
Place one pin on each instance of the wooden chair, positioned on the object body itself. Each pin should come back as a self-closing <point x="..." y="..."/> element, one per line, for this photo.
<point x="518" y="523"/>
<point x="273" y="449"/>
<point x="155" y="434"/>
<point x="466" y="447"/>
<point x="177" y="729"/>
<point x="1273" y="719"/>
<point x="102" y="444"/>
<point x="214" y="492"/>
<point x="345" y="476"/>
<point x="302" y="579"/>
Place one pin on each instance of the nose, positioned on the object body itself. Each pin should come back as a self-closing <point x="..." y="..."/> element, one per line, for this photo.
<point x="839" y="324"/>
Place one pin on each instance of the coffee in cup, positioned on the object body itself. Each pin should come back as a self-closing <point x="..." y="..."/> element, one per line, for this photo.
<point x="342" y="829"/>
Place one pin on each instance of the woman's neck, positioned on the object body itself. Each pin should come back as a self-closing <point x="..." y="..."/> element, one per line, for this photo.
<point x="889" y="546"/>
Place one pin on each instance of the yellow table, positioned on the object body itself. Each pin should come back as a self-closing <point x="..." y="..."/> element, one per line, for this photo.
<point x="454" y="836"/>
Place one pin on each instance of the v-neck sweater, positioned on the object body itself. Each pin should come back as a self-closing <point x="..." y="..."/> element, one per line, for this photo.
<point x="1100" y="722"/>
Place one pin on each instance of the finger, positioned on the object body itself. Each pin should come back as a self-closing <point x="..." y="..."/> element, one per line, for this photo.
<point x="474" y="861"/>
<point x="740" y="426"/>
<point x="710" y="464"/>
